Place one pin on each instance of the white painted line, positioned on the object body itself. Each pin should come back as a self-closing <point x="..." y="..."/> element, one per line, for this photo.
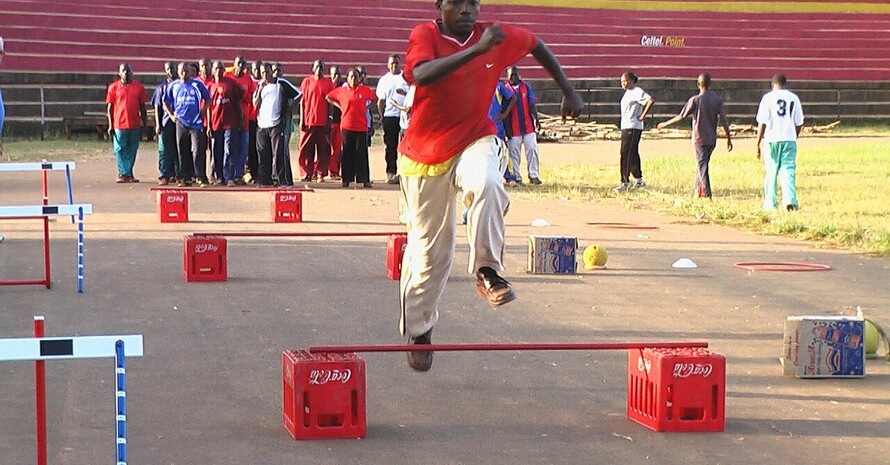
<point x="44" y="210"/>
<point x="63" y="348"/>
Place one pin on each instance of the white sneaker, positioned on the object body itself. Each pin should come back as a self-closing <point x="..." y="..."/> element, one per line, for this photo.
<point x="640" y="183"/>
<point x="621" y="187"/>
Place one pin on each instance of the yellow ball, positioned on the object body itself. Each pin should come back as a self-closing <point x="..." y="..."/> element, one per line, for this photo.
<point x="595" y="256"/>
<point x="871" y="338"/>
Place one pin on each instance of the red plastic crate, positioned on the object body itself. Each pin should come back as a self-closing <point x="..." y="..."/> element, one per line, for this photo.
<point x="173" y="207"/>
<point x="287" y="207"/>
<point x="676" y="389"/>
<point x="324" y="395"/>
<point x="204" y="258"/>
<point x="395" y="250"/>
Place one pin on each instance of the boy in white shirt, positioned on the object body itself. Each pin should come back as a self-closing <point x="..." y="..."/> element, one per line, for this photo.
<point x="387" y="94"/>
<point x="779" y="119"/>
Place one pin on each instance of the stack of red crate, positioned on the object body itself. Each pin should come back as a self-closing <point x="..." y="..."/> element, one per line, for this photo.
<point x="676" y="389"/>
<point x="173" y="206"/>
<point x="395" y="250"/>
<point x="204" y="258"/>
<point x="324" y="395"/>
<point x="287" y="207"/>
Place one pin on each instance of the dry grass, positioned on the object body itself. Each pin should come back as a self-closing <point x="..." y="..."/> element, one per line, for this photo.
<point x="844" y="193"/>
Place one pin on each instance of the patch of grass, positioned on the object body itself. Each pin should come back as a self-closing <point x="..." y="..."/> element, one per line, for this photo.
<point x="56" y="149"/>
<point x="844" y="192"/>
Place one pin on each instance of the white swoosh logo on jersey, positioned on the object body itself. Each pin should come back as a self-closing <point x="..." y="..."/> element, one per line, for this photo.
<point x="489" y="65"/>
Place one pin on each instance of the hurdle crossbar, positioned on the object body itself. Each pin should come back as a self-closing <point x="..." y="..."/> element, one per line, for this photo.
<point x="38" y="166"/>
<point x="232" y="190"/>
<point x="296" y="234"/>
<point x="506" y="347"/>
<point x="32" y="211"/>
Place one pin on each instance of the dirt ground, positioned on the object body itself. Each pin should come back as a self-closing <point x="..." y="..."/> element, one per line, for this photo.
<point x="208" y="389"/>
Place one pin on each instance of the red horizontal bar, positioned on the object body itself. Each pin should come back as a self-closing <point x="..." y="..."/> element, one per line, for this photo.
<point x="23" y="282"/>
<point x="297" y="234"/>
<point x="505" y="347"/>
<point x="231" y="189"/>
<point x="22" y="218"/>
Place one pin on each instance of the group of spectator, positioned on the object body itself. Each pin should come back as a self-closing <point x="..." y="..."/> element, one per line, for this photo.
<point x="244" y="117"/>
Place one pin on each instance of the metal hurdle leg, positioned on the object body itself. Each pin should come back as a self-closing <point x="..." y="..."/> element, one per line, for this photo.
<point x="40" y="395"/>
<point x="80" y="250"/>
<point x="121" y="402"/>
<point x="70" y="189"/>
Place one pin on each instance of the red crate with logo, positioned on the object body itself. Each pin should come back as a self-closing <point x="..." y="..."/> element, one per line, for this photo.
<point x="395" y="250"/>
<point x="324" y="395"/>
<point x="204" y="258"/>
<point x="287" y="207"/>
<point x="676" y="389"/>
<point x="173" y="206"/>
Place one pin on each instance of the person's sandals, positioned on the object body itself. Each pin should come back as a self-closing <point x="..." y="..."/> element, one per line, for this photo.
<point x="493" y="288"/>
<point x="421" y="360"/>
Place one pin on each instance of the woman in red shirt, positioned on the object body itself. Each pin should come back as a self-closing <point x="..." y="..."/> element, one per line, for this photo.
<point x="353" y="100"/>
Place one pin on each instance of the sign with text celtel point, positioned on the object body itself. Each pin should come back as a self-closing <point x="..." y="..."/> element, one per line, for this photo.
<point x="552" y="254"/>
<point x="824" y="347"/>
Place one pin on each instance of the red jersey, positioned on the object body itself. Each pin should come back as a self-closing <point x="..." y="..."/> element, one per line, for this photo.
<point x="248" y="87"/>
<point x="521" y="120"/>
<point x="315" y="107"/>
<point x="225" y="97"/>
<point x="206" y="82"/>
<point x="127" y="102"/>
<point x="452" y="113"/>
<point x="354" y="103"/>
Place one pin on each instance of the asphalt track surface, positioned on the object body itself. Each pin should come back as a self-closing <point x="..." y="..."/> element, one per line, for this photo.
<point x="209" y="387"/>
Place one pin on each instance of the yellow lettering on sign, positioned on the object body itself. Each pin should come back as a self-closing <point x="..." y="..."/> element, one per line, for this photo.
<point x="675" y="41"/>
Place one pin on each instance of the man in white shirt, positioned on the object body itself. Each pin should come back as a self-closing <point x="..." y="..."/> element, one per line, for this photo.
<point x="271" y="101"/>
<point x="779" y="119"/>
<point x="387" y="88"/>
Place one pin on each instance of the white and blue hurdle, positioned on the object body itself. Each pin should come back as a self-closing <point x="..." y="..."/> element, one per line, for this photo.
<point x="40" y="349"/>
<point x="45" y="166"/>
<point x="43" y="212"/>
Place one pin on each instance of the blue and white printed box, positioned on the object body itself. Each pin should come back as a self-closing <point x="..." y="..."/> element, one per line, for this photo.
<point x="824" y="347"/>
<point x="552" y="254"/>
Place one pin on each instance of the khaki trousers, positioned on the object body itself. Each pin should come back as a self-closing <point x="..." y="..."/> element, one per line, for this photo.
<point x="431" y="211"/>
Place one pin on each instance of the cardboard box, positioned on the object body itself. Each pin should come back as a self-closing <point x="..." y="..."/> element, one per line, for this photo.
<point x="552" y="254"/>
<point x="824" y="347"/>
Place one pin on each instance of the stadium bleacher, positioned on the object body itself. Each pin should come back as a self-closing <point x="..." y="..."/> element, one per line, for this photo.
<point x="58" y="38"/>
<point x="86" y="37"/>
